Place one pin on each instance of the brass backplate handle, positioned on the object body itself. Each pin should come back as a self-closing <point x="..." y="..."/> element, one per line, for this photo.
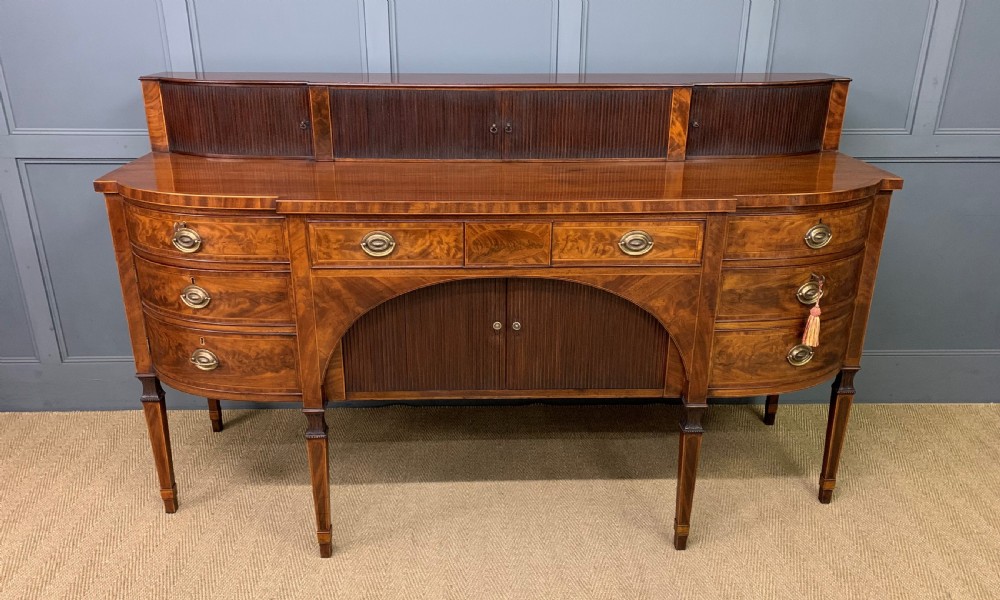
<point x="206" y="360"/>
<point x="800" y="354"/>
<point x="636" y="243"/>
<point x="378" y="243"/>
<point x="809" y="292"/>
<point x="195" y="296"/>
<point x="185" y="239"/>
<point x="819" y="235"/>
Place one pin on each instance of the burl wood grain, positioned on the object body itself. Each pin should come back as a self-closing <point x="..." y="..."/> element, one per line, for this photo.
<point x="248" y="239"/>
<point x="436" y="338"/>
<point x="155" y="123"/>
<point x="237" y="120"/>
<point x="570" y="124"/>
<point x="747" y="121"/>
<point x="249" y="298"/>
<point x="755" y="356"/>
<point x="596" y="242"/>
<point x="782" y="236"/>
<point x="756" y="293"/>
<point x="338" y="244"/>
<point x="248" y="362"/>
<point x="520" y="244"/>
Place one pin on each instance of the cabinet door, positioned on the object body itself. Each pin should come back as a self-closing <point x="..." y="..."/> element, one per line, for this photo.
<point x="571" y="336"/>
<point x="414" y="123"/>
<point x="586" y="124"/>
<point x="436" y="338"/>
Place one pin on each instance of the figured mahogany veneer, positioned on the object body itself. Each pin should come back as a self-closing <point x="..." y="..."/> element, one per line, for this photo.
<point x="353" y="238"/>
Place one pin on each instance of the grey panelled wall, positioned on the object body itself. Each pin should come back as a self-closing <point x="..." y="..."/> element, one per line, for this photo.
<point x="924" y="104"/>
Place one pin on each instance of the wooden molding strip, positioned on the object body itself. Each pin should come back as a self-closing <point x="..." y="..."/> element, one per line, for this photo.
<point x="680" y="110"/>
<point x="319" y="109"/>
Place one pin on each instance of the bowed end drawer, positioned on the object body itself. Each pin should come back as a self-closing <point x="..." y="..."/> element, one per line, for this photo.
<point x="800" y="234"/>
<point x="210" y="362"/>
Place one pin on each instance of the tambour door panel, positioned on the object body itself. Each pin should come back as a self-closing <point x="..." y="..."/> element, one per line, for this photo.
<point x="230" y="297"/>
<point x="436" y="338"/>
<point x="755" y="355"/>
<point x="415" y="123"/>
<point x="757" y="120"/>
<point x="600" y="243"/>
<point x="765" y="235"/>
<point x="572" y="336"/>
<point x="411" y="244"/>
<point x="563" y="124"/>
<point x="244" y="239"/>
<point x="750" y="293"/>
<point x="247" y="362"/>
<point x="237" y="120"/>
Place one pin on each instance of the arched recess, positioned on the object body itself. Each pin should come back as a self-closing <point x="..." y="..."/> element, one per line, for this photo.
<point x="669" y="296"/>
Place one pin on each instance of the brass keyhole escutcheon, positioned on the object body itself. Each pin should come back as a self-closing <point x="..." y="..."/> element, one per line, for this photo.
<point x="800" y="354"/>
<point x="636" y="243"/>
<point x="378" y="243"/>
<point x="185" y="239"/>
<point x="195" y="297"/>
<point x="203" y="359"/>
<point x="819" y="235"/>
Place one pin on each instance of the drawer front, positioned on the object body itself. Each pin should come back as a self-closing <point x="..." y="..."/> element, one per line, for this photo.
<point x="502" y="244"/>
<point x="197" y="237"/>
<point x="247" y="362"/>
<point x="238" y="297"/>
<point x="627" y="243"/>
<point x="755" y="293"/>
<point x="757" y="356"/>
<point x="784" y="236"/>
<point x="339" y="244"/>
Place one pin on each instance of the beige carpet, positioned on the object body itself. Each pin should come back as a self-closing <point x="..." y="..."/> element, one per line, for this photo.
<point x="514" y="502"/>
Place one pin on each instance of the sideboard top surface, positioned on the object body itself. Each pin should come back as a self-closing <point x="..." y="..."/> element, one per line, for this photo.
<point x="498" y="79"/>
<point x="805" y="179"/>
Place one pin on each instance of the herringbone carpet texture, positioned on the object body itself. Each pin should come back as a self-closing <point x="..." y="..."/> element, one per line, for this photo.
<point x="513" y="502"/>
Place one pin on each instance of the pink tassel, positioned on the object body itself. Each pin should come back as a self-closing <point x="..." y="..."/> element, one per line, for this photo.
<point x="810" y="337"/>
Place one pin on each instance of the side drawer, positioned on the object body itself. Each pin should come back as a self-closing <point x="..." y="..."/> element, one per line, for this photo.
<point x="199" y="237"/>
<point x="757" y="356"/>
<point x="246" y="362"/>
<point x="812" y="233"/>
<point x="755" y="293"/>
<point x="230" y="297"/>
<point x="627" y="243"/>
<point x="407" y="244"/>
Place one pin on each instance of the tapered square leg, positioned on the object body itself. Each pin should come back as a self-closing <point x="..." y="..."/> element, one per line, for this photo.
<point x="687" y="472"/>
<point x="770" y="409"/>
<point x="841" y="399"/>
<point x="155" y="410"/>
<point x="215" y="414"/>
<point x="319" y="474"/>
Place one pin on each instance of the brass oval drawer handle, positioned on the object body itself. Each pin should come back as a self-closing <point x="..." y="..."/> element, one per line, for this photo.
<point x="206" y="360"/>
<point x="799" y="355"/>
<point x="195" y="297"/>
<point x="378" y="243"/>
<point x="819" y="235"/>
<point x="809" y="292"/>
<point x="185" y="239"/>
<point x="636" y="243"/>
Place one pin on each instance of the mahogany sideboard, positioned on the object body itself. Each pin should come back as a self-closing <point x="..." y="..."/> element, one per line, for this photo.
<point x="321" y="239"/>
